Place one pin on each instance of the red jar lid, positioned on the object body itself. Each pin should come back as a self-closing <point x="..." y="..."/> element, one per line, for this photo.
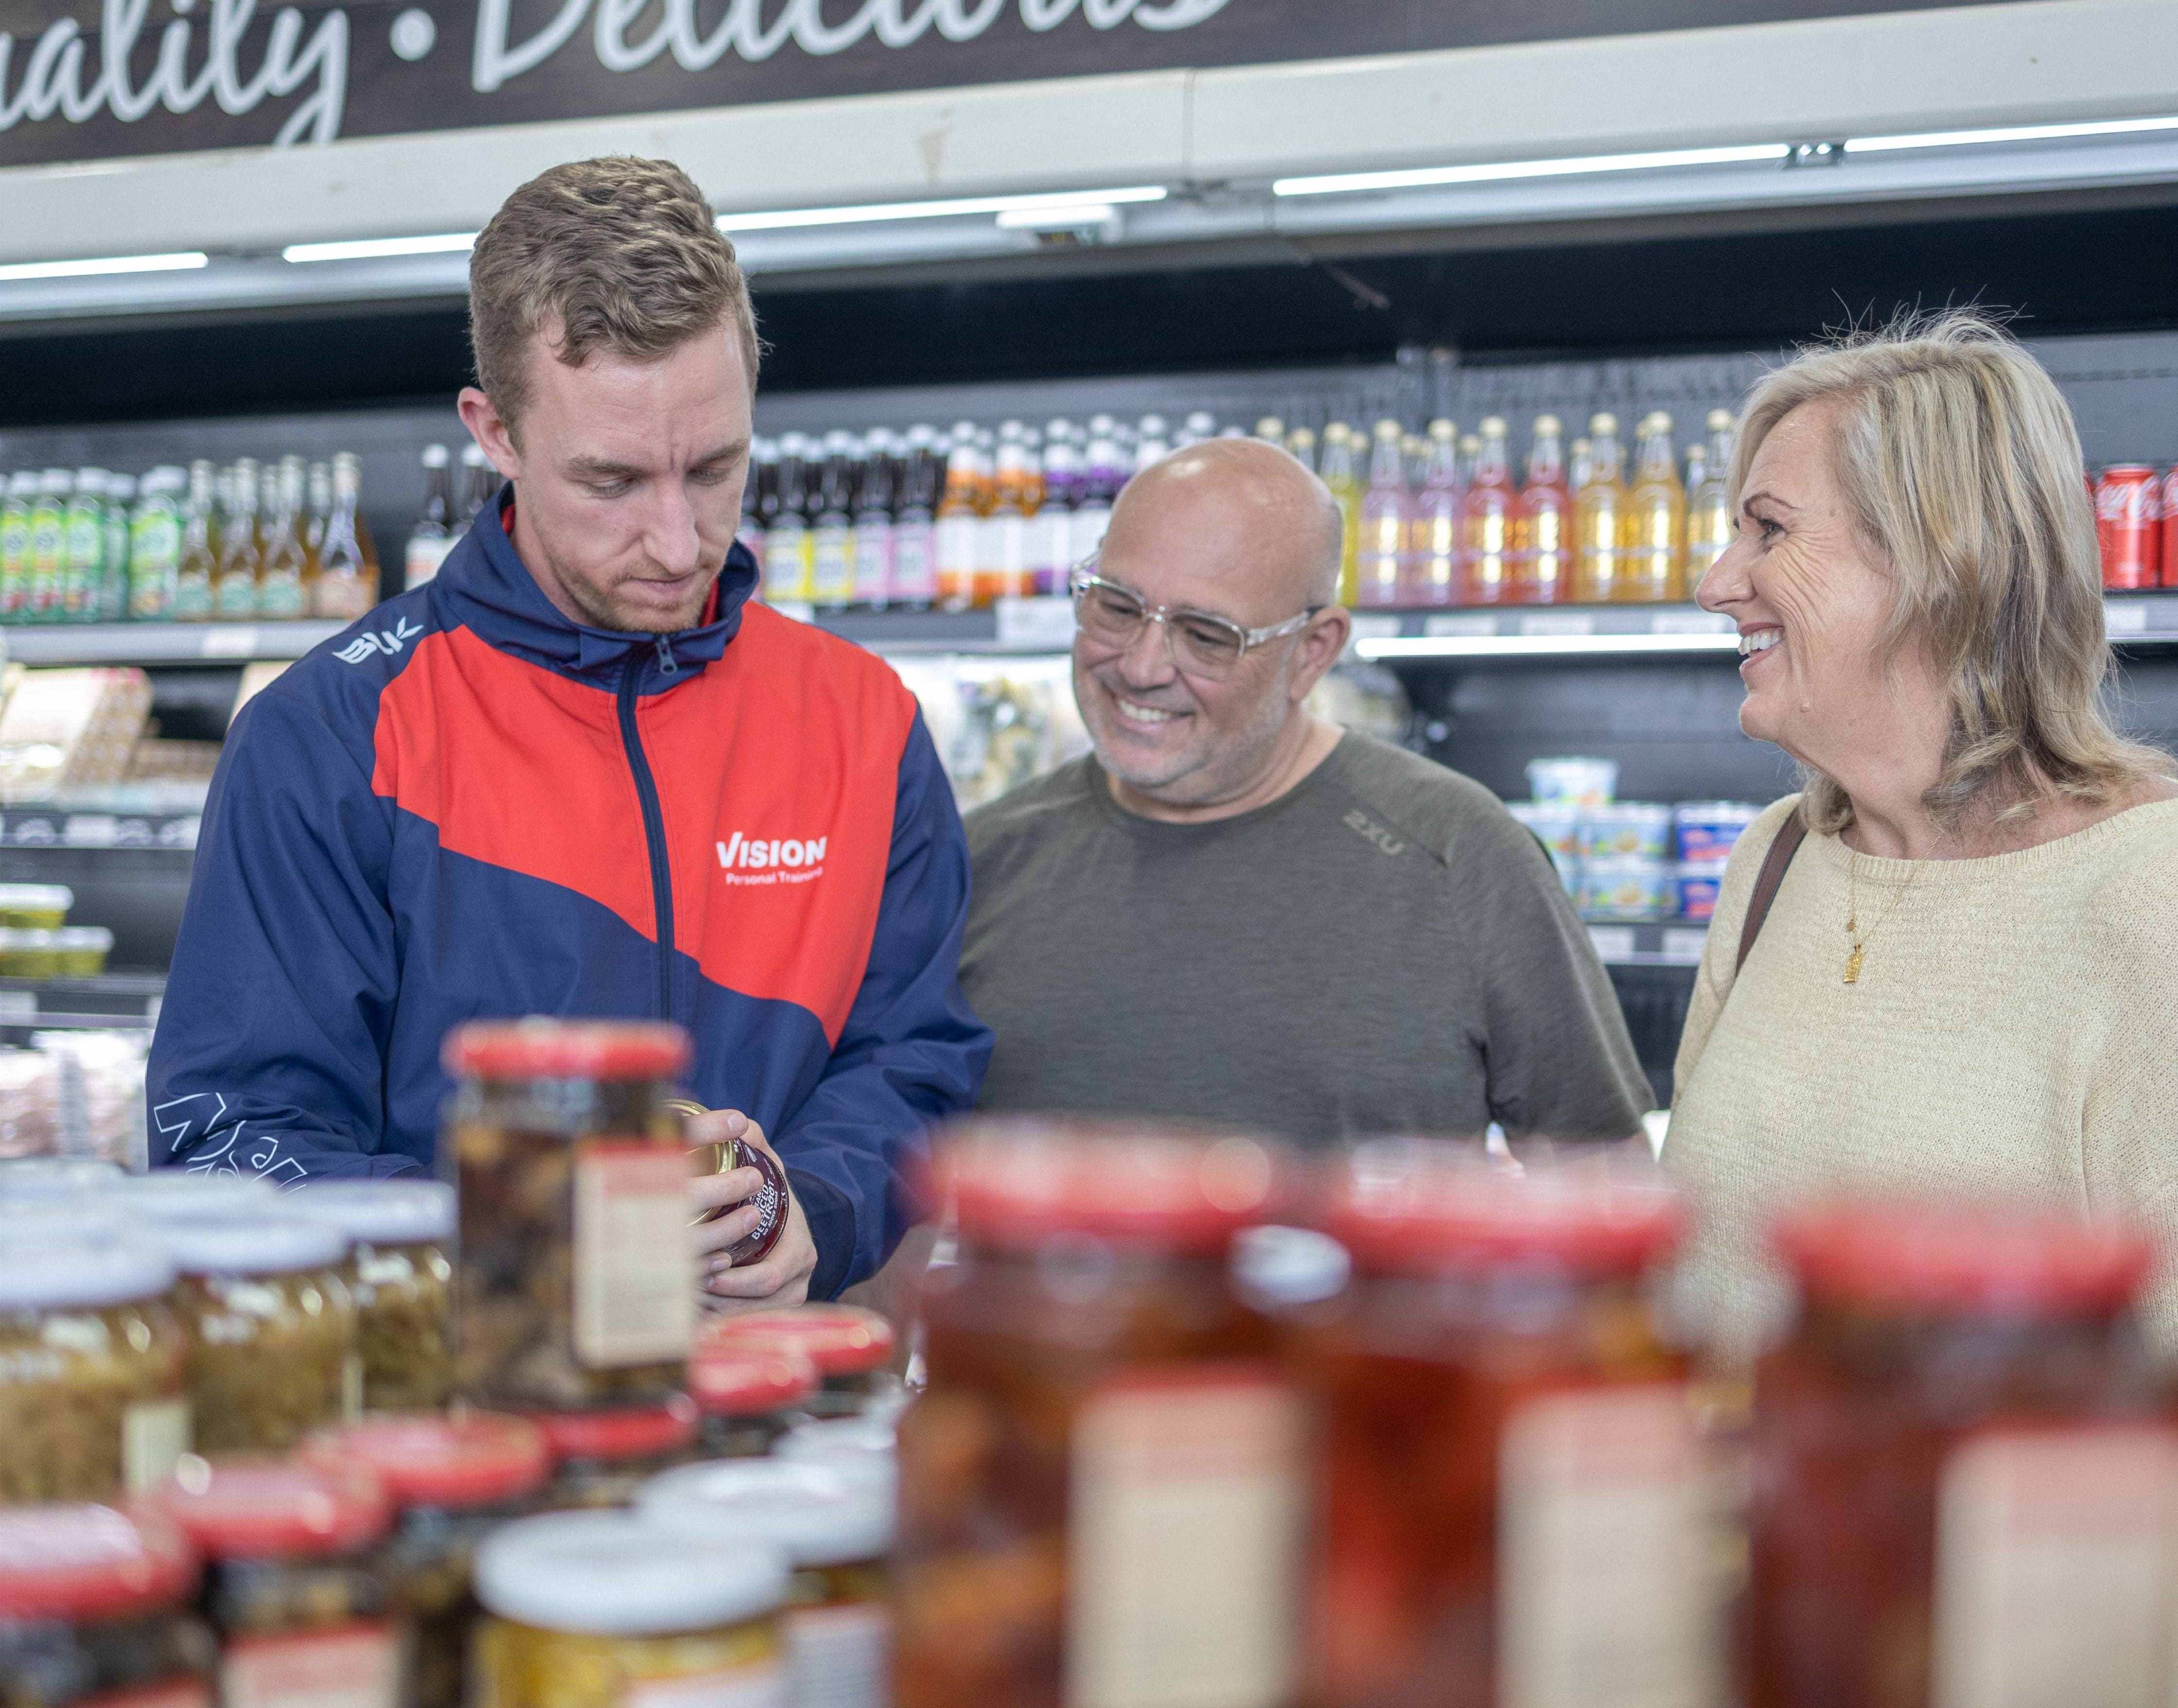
<point x="1401" y="1210"/>
<point x="839" y="1340"/>
<point x="1939" y="1257"/>
<point x="249" y="1508"/>
<point x="539" y="1048"/>
<point x="83" y="1562"/>
<point x="478" y="1459"/>
<point x="1016" y="1184"/>
<point x="752" y="1377"/>
<point x="639" y="1432"/>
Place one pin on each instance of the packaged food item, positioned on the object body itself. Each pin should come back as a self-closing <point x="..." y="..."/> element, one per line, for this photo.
<point x="1630" y="830"/>
<point x="1096" y="1389"/>
<point x="770" y="1199"/>
<point x="34" y="906"/>
<point x="92" y="1398"/>
<point x="401" y="1280"/>
<point x="836" y="1530"/>
<point x="94" y="1611"/>
<point x="29" y="1104"/>
<point x="576" y="1285"/>
<point x="1699" y="884"/>
<point x="745" y="1395"/>
<point x="1709" y="830"/>
<point x="271" y="1332"/>
<point x="601" y="1610"/>
<point x="26" y="954"/>
<point x="73" y="728"/>
<point x="1626" y="889"/>
<point x="78" y="951"/>
<point x="851" y="1348"/>
<point x="1558" y="829"/>
<point x="293" y="1585"/>
<point x="601" y="1459"/>
<point x="1965" y="1474"/>
<point x="452" y="1480"/>
<point x="1511" y="1506"/>
<point x="1585" y="784"/>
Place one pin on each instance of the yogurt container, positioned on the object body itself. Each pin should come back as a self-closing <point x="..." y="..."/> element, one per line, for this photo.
<point x="1572" y="781"/>
<point x="1708" y="829"/>
<point x="1698" y="882"/>
<point x="1631" y="830"/>
<point x="1626" y="889"/>
<point x="1558" y="827"/>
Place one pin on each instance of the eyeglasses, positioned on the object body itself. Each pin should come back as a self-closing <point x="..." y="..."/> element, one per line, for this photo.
<point x="1202" y="643"/>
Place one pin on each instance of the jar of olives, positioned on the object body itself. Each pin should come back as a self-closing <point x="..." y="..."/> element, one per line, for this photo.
<point x="95" y="1611"/>
<point x="601" y="1459"/>
<point x="271" y="1332"/>
<point x="93" y="1399"/>
<point x="851" y="1348"/>
<point x="401" y="1280"/>
<point x="576" y="1285"/>
<point x="745" y="1395"/>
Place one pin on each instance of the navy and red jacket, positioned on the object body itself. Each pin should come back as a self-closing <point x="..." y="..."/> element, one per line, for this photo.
<point x="466" y="805"/>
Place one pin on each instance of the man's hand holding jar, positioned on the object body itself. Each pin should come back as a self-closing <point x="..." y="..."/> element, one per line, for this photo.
<point x="752" y="1243"/>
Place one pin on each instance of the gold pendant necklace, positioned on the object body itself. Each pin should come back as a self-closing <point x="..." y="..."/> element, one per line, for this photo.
<point x="1859" y="951"/>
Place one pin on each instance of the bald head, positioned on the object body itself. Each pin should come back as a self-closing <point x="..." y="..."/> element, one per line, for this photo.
<point x="1250" y="514"/>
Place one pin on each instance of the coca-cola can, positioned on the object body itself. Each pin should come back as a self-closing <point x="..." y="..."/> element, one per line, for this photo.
<point x="2129" y="527"/>
<point x="2170" y="529"/>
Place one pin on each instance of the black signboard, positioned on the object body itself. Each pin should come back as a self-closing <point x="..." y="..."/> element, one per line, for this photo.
<point x="88" y="81"/>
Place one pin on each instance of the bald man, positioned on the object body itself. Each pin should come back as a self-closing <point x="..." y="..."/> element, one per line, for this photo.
<point x="1235" y="911"/>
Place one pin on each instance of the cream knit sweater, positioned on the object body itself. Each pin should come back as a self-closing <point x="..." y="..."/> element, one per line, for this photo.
<point x="2013" y="1035"/>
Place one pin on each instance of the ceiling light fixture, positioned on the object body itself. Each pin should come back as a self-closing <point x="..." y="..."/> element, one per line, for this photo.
<point x="788" y="219"/>
<point x="179" y="261"/>
<point x="2015" y="133"/>
<point x="1503" y="171"/>
<point x="380" y="248"/>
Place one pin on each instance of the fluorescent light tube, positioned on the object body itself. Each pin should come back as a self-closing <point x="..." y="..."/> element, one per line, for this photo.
<point x="787" y="219"/>
<point x="380" y="249"/>
<point x="1058" y="217"/>
<point x="1501" y="172"/>
<point x="2015" y="133"/>
<point x="180" y="261"/>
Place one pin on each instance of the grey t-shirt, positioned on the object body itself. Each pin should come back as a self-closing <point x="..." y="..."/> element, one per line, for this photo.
<point x="1383" y="950"/>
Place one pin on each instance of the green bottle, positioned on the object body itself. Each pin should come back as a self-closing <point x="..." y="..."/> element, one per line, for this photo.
<point x="49" y="546"/>
<point x="113" y="586"/>
<point x="198" y="566"/>
<point x="15" y="545"/>
<point x="155" y="546"/>
<point x="83" y="571"/>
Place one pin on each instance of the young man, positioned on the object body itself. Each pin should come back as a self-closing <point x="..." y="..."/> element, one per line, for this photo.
<point x="580" y="774"/>
<point x="1234" y="912"/>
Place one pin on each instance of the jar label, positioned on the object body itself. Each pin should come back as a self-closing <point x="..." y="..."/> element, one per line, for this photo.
<point x="763" y="1686"/>
<point x="154" y="1436"/>
<point x="1185" y="1513"/>
<point x="1605" y="1592"/>
<point x="2054" y="1569"/>
<point x="635" y="1278"/>
<point x="354" y="1667"/>
<point x="839" y="1655"/>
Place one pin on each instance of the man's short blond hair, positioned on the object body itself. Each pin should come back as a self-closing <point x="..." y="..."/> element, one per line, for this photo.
<point x="617" y="253"/>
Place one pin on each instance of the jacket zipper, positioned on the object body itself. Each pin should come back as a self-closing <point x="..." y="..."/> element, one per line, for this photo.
<point x="654" y="827"/>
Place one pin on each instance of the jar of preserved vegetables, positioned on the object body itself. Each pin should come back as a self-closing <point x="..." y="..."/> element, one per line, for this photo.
<point x="851" y="1348"/>
<point x="770" y="1199"/>
<point x="1512" y="1504"/>
<point x="401" y="1282"/>
<point x="576" y="1285"/>
<point x="1965" y="1474"/>
<point x="601" y="1459"/>
<point x="452" y="1480"/>
<point x="93" y="1399"/>
<point x="1093" y="1382"/>
<point x="745" y="1395"/>
<point x="170" y="1194"/>
<point x="271" y="1332"/>
<point x="293" y="1587"/>
<point x="95" y="1611"/>
<point x="836" y="1530"/>
<point x="601" y="1610"/>
<point x="58" y="1178"/>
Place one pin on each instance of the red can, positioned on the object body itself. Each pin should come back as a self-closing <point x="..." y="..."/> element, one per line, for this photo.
<point x="2129" y="527"/>
<point x="2170" y="529"/>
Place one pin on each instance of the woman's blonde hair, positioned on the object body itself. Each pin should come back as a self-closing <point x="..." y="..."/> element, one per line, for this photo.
<point x="1961" y="466"/>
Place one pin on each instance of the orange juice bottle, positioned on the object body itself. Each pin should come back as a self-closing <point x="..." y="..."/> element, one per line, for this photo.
<point x="1016" y="495"/>
<point x="1485" y="520"/>
<point x="1542" y="523"/>
<point x="1599" y="509"/>
<point x="959" y="521"/>
<point x="1652" y="538"/>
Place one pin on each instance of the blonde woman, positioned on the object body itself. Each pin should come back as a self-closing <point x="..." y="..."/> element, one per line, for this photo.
<point x="1961" y="967"/>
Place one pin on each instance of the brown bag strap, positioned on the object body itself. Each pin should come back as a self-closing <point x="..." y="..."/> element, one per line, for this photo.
<point x="1787" y="844"/>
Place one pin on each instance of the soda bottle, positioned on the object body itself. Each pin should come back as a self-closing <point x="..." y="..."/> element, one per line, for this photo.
<point x="832" y="528"/>
<point x="1651" y="564"/>
<point x="347" y="586"/>
<point x="49" y="546"/>
<point x="481" y="482"/>
<point x="1104" y="475"/>
<point x="759" y="487"/>
<point x="1052" y="534"/>
<point x="196" y="567"/>
<point x="960" y="511"/>
<point x="82" y="550"/>
<point x="241" y="546"/>
<point x="1542" y="523"/>
<point x="1708" y="502"/>
<point x="1300" y="445"/>
<point x="155" y="545"/>
<point x="1387" y="520"/>
<point x="1485" y="520"/>
<point x="1272" y="430"/>
<point x="1435" y="562"/>
<point x="1599" y="511"/>
<point x="113" y="585"/>
<point x="15" y="545"/>
<point x="321" y="507"/>
<point x="1579" y="465"/>
<point x="1470" y="451"/>
<point x="1016" y="495"/>
<point x="433" y="536"/>
<point x="283" y="586"/>
<point x="875" y="495"/>
<point x="1338" y="472"/>
<point x="1151" y="445"/>
<point x="787" y="558"/>
<point x="914" y="523"/>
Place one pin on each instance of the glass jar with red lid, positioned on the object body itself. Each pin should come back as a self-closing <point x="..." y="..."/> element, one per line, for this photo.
<point x="745" y="1392"/>
<point x="1511" y="1503"/>
<point x="95" y="1611"/>
<point x="1096" y="1389"/>
<point x="451" y="1479"/>
<point x="576" y="1283"/>
<point x="295" y="1584"/>
<point x="851" y="1348"/>
<point x="1965" y="1475"/>
<point x="601" y="1459"/>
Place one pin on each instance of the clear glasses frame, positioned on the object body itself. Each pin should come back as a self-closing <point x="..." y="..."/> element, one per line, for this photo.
<point x="1201" y="642"/>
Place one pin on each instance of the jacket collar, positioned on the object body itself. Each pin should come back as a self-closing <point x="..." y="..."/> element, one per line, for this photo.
<point x="494" y="594"/>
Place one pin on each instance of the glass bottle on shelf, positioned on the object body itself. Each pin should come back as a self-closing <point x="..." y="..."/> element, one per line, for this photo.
<point x="1414" y="452"/>
<point x="762" y="473"/>
<point x="15" y="545"/>
<point x="1103" y="475"/>
<point x="960" y="514"/>
<point x="114" y="584"/>
<point x="1599" y="506"/>
<point x="155" y="545"/>
<point x="83" y="548"/>
<point x="1485" y="521"/>
<point x="1338" y="473"/>
<point x="197" y="566"/>
<point x="432" y="536"/>
<point x="1300" y="444"/>
<point x="1016" y="495"/>
<point x="241" y="546"/>
<point x="875" y="495"/>
<point x="832" y="528"/>
<point x="914" y="545"/>
<point x="1386" y="519"/>
<point x="1435" y="562"/>
<point x="1542" y="523"/>
<point x="1708" y="502"/>
<point x="348" y="569"/>
<point x="283" y="585"/>
<point x="787" y="559"/>
<point x="48" y="555"/>
<point x="480" y="481"/>
<point x="320" y="489"/>
<point x="1272" y="430"/>
<point x="1653" y="537"/>
<point x="1051" y="531"/>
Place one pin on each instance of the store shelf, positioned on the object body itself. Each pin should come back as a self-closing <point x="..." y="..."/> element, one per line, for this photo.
<point x="79" y="828"/>
<point x="1650" y="943"/>
<point x="163" y="643"/>
<point x="110" y="999"/>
